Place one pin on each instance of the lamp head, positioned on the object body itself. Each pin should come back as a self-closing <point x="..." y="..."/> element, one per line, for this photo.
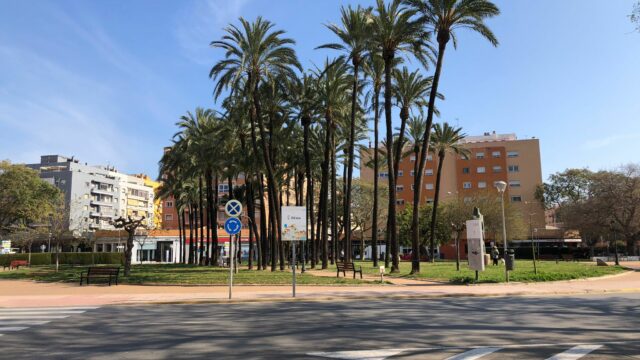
<point x="501" y="186"/>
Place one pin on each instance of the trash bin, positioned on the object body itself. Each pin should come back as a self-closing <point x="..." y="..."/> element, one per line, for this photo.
<point x="487" y="259"/>
<point x="511" y="260"/>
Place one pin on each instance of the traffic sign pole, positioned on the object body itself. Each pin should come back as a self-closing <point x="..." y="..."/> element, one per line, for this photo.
<point x="230" y="267"/>
<point x="233" y="226"/>
<point x="293" y="258"/>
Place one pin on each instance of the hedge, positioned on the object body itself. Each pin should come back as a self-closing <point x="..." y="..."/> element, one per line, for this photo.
<point x="73" y="258"/>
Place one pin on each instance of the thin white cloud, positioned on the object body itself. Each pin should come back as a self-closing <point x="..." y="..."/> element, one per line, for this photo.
<point x="610" y="140"/>
<point x="202" y="23"/>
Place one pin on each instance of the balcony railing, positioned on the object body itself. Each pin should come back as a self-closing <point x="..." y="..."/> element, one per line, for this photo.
<point x="101" y="203"/>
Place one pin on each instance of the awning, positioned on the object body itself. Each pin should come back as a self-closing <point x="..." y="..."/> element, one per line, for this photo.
<point x="578" y="240"/>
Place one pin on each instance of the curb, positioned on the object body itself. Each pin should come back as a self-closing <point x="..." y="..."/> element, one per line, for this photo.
<point x="379" y="297"/>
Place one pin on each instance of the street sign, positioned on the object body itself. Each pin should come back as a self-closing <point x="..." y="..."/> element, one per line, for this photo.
<point x="294" y="223"/>
<point x="232" y="226"/>
<point x="233" y="208"/>
<point x="475" y="242"/>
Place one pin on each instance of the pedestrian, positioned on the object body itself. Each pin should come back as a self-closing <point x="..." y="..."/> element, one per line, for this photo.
<point x="495" y="254"/>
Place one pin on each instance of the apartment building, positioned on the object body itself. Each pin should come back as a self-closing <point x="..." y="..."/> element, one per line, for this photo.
<point x="492" y="157"/>
<point x="96" y="195"/>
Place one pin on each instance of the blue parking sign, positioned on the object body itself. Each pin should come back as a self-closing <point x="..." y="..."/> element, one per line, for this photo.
<point x="232" y="226"/>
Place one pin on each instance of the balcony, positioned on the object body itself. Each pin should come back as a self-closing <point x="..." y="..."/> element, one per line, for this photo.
<point x="101" y="203"/>
<point x="101" y="191"/>
<point x="102" y="214"/>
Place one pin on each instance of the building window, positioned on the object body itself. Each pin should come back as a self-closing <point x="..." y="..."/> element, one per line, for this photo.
<point x="428" y="186"/>
<point x="429" y="200"/>
<point x="497" y="169"/>
<point x="412" y="173"/>
<point x="467" y="199"/>
<point x="480" y="155"/>
<point x="495" y="154"/>
<point x="223" y="187"/>
<point x="384" y="174"/>
<point x="482" y="184"/>
<point x="514" y="168"/>
<point x="399" y="201"/>
<point x="400" y="172"/>
<point x="399" y="188"/>
<point x="516" y="198"/>
<point x="168" y="217"/>
<point x="464" y="157"/>
<point x="481" y="170"/>
<point x="412" y="187"/>
<point x="514" y="183"/>
<point x="413" y="158"/>
<point x="512" y="154"/>
<point x="168" y="204"/>
<point x="429" y="157"/>
<point x="428" y="172"/>
<point x="465" y="170"/>
<point x="466" y="185"/>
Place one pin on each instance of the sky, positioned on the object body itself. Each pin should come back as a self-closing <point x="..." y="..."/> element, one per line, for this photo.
<point x="105" y="81"/>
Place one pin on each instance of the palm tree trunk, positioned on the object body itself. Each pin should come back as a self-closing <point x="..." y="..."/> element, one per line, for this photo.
<point x="458" y="251"/>
<point x="415" y="220"/>
<point x="351" y="155"/>
<point x="393" y="236"/>
<point x="334" y="201"/>
<point x="376" y="176"/>
<point x="214" y="239"/>
<point x="434" y="212"/>
<point x="263" y="224"/>
<point x="180" y="229"/>
<point x="210" y="215"/>
<point x="184" y="236"/>
<point x="190" y="233"/>
<point x="201" y="213"/>
<point x="415" y="243"/>
<point x="325" y="180"/>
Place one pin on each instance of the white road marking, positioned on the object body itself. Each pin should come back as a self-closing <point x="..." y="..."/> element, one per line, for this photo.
<point x="19" y="317"/>
<point x="474" y="354"/>
<point x="575" y="352"/>
<point x="23" y="322"/>
<point x="13" y="328"/>
<point x="52" y="308"/>
<point x="41" y="312"/>
<point x="361" y="354"/>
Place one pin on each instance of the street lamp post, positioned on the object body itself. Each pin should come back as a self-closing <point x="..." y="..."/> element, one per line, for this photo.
<point x="502" y="186"/>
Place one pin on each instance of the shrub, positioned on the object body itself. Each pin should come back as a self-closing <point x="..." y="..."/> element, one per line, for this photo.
<point x="86" y="258"/>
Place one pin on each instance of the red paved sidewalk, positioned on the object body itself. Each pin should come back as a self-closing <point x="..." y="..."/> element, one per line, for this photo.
<point x="15" y="293"/>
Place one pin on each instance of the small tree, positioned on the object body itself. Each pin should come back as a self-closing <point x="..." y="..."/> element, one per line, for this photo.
<point x="129" y="225"/>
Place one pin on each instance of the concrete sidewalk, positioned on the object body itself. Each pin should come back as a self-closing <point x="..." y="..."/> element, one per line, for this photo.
<point x="19" y="293"/>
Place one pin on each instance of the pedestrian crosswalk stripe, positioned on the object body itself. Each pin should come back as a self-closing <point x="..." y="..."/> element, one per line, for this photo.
<point x="575" y="352"/>
<point x="51" y="308"/>
<point x="10" y="317"/>
<point x="18" y="319"/>
<point x="361" y="354"/>
<point x="13" y="328"/>
<point x="474" y="354"/>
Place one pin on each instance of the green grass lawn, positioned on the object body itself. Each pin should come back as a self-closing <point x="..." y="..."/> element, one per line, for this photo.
<point x="176" y="274"/>
<point x="547" y="271"/>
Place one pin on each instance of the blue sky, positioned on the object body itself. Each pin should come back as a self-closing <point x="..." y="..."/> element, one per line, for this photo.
<point x="105" y="81"/>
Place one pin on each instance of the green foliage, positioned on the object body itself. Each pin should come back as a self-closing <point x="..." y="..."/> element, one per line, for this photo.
<point x="635" y="15"/>
<point x="443" y="232"/>
<point x="24" y="197"/>
<point x="65" y="258"/>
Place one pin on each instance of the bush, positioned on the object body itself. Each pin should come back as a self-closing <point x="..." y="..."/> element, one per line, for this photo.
<point x="86" y="258"/>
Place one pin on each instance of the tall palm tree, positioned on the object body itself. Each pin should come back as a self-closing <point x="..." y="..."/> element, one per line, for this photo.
<point x="395" y="30"/>
<point x="441" y="18"/>
<point x="333" y="89"/>
<point x="411" y="89"/>
<point x="445" y="139"/>
<point x="256" y="54"/>
<point x="354" y="33"/>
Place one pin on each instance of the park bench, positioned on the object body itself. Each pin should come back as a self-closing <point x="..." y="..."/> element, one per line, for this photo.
<point x="348" y="266"/>
<point x="110" y="273"/>
<point x="15" y="264"/>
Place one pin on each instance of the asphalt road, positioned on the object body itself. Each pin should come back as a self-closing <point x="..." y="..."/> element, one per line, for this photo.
<point x="581" y="327"/>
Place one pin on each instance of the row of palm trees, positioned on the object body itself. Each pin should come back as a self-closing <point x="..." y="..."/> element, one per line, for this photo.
<point x="286" y="130"/>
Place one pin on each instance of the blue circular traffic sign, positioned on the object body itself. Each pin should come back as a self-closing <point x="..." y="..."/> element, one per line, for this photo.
<point x="232" y="226"/>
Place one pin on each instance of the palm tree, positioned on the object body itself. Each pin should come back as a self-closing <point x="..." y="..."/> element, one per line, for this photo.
<point x="441" y="18"/>
<point x="394" y="30"/>
<point x="255" y="54"/>
<point x="355" y="36"/>
<point x="445" y="139"/>
<point x="333" y="88"/>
